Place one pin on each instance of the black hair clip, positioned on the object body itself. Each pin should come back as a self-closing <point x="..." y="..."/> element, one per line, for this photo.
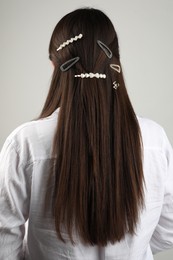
<point x="105" y="48"/>
<point x="68" y="64"/>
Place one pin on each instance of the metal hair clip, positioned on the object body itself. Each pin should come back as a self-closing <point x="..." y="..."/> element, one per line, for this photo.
<point x="68" y="64"/>
<point x="91" y="75"/>
<point x="105" y="48"/>
<point x="70" y="41"/>
<point x="116" y="67"/>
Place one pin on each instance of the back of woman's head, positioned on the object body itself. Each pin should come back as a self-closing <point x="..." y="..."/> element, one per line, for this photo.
<point x="98" y="173"/>
<point x="94" y="25"/>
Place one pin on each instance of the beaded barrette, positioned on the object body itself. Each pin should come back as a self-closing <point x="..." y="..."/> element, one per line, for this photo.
<point x="91" y="75"/>
<point x="64" y="44"/>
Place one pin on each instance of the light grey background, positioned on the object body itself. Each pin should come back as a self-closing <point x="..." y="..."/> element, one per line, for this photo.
<point x="145" y="30"/>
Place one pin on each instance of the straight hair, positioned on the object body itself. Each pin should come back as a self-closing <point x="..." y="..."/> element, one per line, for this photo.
<point x="98" y="187"/>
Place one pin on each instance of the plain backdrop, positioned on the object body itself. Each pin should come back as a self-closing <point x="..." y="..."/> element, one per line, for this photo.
<point x="145" y="30"/>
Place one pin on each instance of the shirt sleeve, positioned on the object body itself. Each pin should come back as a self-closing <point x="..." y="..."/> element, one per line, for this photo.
<point x="14" y="202"/>
<point x="162" y="238"/>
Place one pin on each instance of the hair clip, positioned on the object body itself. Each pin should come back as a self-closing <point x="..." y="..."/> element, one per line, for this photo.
<point x="116" y="67"/>
<point x="68" y="64"/>
<point x="91" y="75"/>
<point x="115" y="85"/>
<point x="105" y="48"/>
<point x="69" y="41"/>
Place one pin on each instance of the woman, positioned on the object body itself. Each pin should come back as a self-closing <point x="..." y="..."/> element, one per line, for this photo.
<point x="94" y="181"/>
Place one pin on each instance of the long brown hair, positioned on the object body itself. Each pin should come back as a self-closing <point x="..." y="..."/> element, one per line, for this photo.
<point x="98" y="189"/>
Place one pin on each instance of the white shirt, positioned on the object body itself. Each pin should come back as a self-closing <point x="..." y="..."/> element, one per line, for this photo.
<point x="25" y="162"/>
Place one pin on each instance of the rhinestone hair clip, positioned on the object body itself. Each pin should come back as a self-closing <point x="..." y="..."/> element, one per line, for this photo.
<point x="69" y="41"/>
<point x="91" y="75"/>
<point x="115" y="85"/>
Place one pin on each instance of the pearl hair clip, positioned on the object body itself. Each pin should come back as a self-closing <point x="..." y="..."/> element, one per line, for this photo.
<point x="91" y="75"/>
<point x="70" y="41"/>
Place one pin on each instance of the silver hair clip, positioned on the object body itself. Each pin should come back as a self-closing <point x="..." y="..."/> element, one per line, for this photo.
<point x="91" y="75"/>
<point x="116" y="67"/>
<point x="105" y="48"/>
<point x="115" y="85"/>
<point x="68" y="64"/>
<point x="70" y="41"/>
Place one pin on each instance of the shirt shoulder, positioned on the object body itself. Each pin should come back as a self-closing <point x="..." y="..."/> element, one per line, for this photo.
<point x="33" y="140"/>
<point x="153" y="134"/>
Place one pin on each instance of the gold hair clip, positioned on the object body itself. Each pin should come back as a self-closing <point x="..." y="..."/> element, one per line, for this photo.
<point x="116" y="67"/>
